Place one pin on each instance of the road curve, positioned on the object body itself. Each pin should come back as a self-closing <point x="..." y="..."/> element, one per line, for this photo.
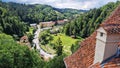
<point x="36" y="43"/>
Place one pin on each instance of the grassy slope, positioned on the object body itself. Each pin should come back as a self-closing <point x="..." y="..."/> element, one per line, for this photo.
<point x="67" y="42"/>
<point x="48" y="49"/>
<point x="30" y="30"/>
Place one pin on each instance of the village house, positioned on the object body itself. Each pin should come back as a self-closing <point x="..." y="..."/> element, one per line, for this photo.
<point x="52" y="23"/>
<point x="47" y="24"/>
<point x="101" y="49"/>
<point x="24" y="40"/>
<point x="61" y="22"/>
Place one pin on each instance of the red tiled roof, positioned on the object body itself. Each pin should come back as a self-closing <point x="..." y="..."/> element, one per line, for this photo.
<point x="112" y="23"/>
<point x="84" y="56"/>
<point x="24" y="37"/>
<point x="47" y="24"/>
<point x="112" y="28"/>
<point x="114" y="18"/>
<point x="97" y="65"/>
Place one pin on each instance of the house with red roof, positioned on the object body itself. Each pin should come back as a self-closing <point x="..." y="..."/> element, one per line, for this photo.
<point x="24" y="40"/>
<point x="47" y="24"/>
<point x="101" y="49"/>
<point x="61" y="22"/>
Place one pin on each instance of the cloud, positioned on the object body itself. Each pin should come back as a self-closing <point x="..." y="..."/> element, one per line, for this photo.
<point x="75" y="4"/>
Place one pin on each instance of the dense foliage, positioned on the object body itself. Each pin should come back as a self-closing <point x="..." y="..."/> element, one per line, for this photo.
<point x="31" y="13"/>
<point x="58" y="46"/>
<point x="57" y="62"/>
<point x="13" y="55"/>
<point x="75" y="47"/>
<point x="11" y="24"/>
<point x="45" y="37"/>
<point x="86" y="23"/>
<point x="34" y="13"/>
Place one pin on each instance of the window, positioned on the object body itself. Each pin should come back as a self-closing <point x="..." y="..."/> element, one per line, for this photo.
<point x="101" y="34"/>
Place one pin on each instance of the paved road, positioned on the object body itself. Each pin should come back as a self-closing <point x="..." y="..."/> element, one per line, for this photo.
<point x="36" y="43"/>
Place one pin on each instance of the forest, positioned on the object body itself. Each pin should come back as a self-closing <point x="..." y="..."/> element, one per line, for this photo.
<point x="88" y="22"/>
<point x="14" y="55"/>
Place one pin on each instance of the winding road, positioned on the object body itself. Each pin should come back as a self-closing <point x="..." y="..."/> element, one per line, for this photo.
<point x="36" y="43"/>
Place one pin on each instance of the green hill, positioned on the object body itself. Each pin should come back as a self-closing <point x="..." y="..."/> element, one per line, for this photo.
<point x="36" y="13"/>
<point x="15" y="18"/>
<point x="87" y="22"/>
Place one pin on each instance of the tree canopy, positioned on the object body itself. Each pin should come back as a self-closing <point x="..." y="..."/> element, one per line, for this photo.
<point x="87" y="22"/>
<point x="14" y="55"/>
<point x="36" y="13"/>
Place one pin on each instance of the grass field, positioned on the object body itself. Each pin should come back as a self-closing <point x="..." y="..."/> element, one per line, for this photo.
<point x="48" y="49"/>
<point x="66" y="41"/>
<point x="30" y="30"/>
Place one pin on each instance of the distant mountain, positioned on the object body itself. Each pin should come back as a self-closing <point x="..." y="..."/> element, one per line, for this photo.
<point x="70" y="12"/>
<point x="38" y="12"/>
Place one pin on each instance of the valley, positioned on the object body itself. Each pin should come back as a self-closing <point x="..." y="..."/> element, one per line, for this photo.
<point x="43" y="36"/>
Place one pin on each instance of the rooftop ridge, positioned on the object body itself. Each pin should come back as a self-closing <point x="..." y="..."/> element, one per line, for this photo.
<point x="114" y="17"/>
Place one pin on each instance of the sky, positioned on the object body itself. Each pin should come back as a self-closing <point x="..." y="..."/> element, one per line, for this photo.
<point x="75" y="4"/>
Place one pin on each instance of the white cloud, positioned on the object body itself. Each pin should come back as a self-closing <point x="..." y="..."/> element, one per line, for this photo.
<point x="76" y="4"/>
<point x="81" y="4"/>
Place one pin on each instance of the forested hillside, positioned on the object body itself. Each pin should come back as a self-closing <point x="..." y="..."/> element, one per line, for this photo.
<point x="35" y="13"/>
<point x="70" y="12"/>
<point x="31" y="13"/>
<point x="11" y="24"/>
<point x="86" y="23"/>
<point x="15" y="18"/>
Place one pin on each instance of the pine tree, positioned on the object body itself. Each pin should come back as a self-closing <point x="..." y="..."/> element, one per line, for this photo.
<point x="59" y="47"/>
